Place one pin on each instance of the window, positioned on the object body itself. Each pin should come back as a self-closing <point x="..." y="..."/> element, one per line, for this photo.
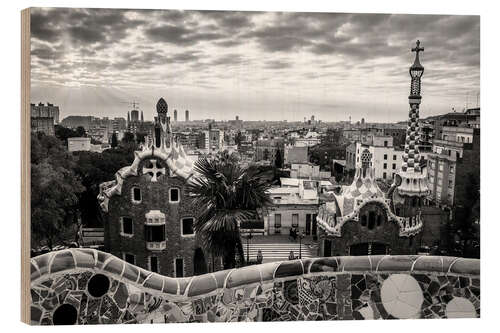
<point x="295" y="220"/>
<point x="187" y="226"/>
<point x="363" y="220"/>
<point x="384" y="175"/>
<point x="452" y="169"/>
<point x="385" y="143"/>
<point x="136" y="194"/>
<point x="385" y="156"/>
<point x="127" y="226"/>
<point x="130" y="258"/>
<point x="179" y="267"/>
<point x="371" y="220"/>
<point x="393" y="166"/>
<point x="153" y="264"/>
<point x="277" y="220"/>
<point x="174" y="195"/>
<point x="393" y="157"/>
<point x="385" y="165"/>
<point x="155" y="233"/>
<point x="450" y="183"/>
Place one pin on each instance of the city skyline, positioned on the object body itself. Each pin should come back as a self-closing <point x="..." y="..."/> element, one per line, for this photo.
<point x="258" y="65"/>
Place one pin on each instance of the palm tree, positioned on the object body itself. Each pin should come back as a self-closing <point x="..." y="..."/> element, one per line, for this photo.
<point x="225" y="194"/>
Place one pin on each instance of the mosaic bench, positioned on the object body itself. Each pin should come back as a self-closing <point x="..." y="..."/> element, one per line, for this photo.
<point x="85" y="286"/>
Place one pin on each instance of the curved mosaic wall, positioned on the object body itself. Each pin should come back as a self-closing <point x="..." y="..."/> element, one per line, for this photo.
<point x="84" y="286"/>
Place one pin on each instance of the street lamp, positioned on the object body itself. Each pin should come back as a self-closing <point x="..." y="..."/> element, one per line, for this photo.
<point x="249" y="236"/>
<point x="301" y="235"/>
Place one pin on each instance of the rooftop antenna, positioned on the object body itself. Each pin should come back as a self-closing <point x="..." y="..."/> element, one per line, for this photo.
<point x="133" y="103"/>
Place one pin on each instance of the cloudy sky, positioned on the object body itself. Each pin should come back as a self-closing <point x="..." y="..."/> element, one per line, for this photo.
<point x="258" y="65"/>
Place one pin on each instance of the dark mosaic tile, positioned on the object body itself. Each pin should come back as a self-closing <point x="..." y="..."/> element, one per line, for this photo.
<point x="356" y="315"/>
<point x="289" y="268"/>
<point x="355" y="292"/>
<point x="422" y="278"/>
<point x="36" y="314"/>
<point x="324" y="265"/>
<point x="464" y="282"/>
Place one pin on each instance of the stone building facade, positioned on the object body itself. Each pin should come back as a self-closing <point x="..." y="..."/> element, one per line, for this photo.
<point x="148" y="215"/>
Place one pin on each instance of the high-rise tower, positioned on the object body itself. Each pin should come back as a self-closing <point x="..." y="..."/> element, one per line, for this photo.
<point x="187" y="115"/>
<point x="411" y="182"/>
<point x="175" y="115"/>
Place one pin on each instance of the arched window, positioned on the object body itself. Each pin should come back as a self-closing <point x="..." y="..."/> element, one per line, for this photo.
<point x="371" y="220"/>
<point x="363" y="220"/>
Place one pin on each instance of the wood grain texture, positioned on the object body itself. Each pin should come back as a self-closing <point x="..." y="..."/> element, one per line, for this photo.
<point x="25" y="165"/>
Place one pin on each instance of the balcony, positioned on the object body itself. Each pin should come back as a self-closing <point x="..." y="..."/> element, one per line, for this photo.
<point x="156" y="246"/>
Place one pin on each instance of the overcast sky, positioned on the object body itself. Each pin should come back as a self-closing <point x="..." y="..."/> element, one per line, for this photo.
<point x="258" y="65"/>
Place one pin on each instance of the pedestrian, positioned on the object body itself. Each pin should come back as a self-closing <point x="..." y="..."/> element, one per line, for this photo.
<point x="291" y="256"/>
<point x="259" y="257"/>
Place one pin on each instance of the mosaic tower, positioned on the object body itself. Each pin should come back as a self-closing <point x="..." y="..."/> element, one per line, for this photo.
<point x="411" y="181"/>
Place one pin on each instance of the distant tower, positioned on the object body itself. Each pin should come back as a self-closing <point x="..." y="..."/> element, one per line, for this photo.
<point x="362" y="121"/>
<point x="305" y="120"/>
<point x="175" y="115"/>
<point x="134" y="115"/>
<point x="237" y="118"/>
<point x="312" y="118"/>
<point x="162" y="125"/>
<point x="411" y="181"/>
<point x="187" y="115"/>
<point x="128" y="118"/>
<point x="142" y="117"/>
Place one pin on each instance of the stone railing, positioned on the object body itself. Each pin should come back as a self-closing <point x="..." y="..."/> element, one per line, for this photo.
<point x="86" y="286"/>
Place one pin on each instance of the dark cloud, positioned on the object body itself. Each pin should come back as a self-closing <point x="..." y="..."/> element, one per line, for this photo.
<point x="277" y="64"/>
<point x="180" y="35"/>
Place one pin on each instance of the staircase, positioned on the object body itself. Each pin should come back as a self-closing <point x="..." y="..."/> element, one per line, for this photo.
<point x="280" y="251"/>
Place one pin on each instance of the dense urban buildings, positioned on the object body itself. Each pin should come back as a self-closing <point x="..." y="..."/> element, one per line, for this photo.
<point x="44" y="117"/>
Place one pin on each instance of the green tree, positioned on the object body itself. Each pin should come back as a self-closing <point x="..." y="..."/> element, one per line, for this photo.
<point x="278" y="160"/>
<point x="54" y="193"/>
<point x="114" y="141"/>
<point x="128" y="137"/>
<point x="227" y="195"/>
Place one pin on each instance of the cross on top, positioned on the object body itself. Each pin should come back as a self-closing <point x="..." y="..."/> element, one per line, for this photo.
<point x="154" y="171"/>
<point x="417" y="48"/>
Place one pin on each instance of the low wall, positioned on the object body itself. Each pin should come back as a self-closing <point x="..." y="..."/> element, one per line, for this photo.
<point x="85" y="286"/>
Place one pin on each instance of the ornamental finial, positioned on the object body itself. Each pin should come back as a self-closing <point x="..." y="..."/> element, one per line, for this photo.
<point x="417" y="48"/>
